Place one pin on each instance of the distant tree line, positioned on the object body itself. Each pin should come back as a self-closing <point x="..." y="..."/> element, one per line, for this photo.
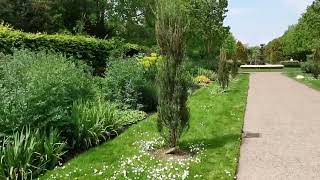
<point x="132" y="20"/>
<point x="299" y="40"/>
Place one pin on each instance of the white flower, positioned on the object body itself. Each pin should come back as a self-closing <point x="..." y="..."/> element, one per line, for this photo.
<point x="300" y="77"/>
<point x="185" y="174"/>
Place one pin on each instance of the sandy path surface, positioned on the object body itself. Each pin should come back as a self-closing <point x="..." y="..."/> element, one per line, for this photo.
<point x="287" y="116"/>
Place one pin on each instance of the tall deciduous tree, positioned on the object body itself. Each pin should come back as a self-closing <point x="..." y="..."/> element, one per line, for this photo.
<point x="171" y="26"/>
<point x="241" y="53"/>
<point x="207" y="33"/>
<point x="299" y="40"/>
<point x="274" y="51"/>
<point x="230" y="45"/>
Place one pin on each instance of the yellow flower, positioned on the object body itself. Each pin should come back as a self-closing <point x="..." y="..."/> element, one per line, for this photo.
<point x="154" y="55"/>
<point x="202" y="79"/>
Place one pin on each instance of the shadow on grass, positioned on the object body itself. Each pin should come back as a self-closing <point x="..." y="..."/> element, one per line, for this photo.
<point x="211" y="143"/>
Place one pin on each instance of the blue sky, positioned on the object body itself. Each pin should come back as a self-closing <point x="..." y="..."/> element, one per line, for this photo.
<point x="259" y="21"/>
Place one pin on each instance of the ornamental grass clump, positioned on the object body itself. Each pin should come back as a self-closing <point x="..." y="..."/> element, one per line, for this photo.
<point x="173" y="113"/>
<point x="223" y="71"/>
<point x="29" y="153"/>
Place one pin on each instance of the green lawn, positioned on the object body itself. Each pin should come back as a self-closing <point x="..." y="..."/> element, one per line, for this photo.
<point x="214" y="134"/>
<point x="308" y="79"/>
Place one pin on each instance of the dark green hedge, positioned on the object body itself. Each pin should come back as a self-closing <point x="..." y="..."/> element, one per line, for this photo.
<point x="93" y="51"/>
<point x="291" y="63"/>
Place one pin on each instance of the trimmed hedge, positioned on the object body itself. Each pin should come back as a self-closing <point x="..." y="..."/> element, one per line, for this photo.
<point x="291" y="63"/>
<point x="92" y="50"/>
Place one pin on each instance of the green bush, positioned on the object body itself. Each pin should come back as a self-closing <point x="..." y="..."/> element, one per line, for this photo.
<point x="315" y="69"/>
<point x="93" y="51"/>
<point x="38" y="89"/>
<point x="307" y="66"/>
<point x="123" y="83"/>
<point x="149" y="96"/>
<point x="92" y="121"/>
<point x="234" y="68"/>
<point x="208" y="73"/>
<point x="29" y="153"/>
<point x="291" y="63"/>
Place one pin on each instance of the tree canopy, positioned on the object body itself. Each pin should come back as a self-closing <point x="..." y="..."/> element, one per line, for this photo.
<point x="299" y="40"/>
<point x="132" y="20"/>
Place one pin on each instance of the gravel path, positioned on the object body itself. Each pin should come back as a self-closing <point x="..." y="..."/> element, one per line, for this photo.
<point x="287" y="116"/>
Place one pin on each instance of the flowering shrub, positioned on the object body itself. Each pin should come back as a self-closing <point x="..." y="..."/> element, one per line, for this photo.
<point x="208" y="73"/>
<point x="202" y="79"/>
<point x="150" y="64"/>
<point x="151" y="61"/>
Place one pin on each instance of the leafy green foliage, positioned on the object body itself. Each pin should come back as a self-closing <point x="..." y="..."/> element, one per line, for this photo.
<point x="38" y="89"/>
<point x="234" y="69"/>
<point x="274" y="51"/>
<point x="207" y="33"/>
<point x="253" y="53"/>
<point x="300" y="39"/>
<point x="291" y="63"/>
<point x="208" y="73"/>
<point x="223" y="71"/>
<point x="315" y="68"/>
<point x="124" y="81"/>
<point x="216" y="120"/>
<point x="241" y="53"/>
<point x="312" y="65"/>
<point x="57" y="99"/>
<point x="307" y="66"/>
<point x="29" y="153"/>
<point x="83" y="17"/>
<point x="173" y="114"/>
<point x="94" y="121"/>
<point x="231" y="46"/>
<point x="93" y="51"/>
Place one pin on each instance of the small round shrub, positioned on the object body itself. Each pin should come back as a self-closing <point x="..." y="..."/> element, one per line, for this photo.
<point x="307" y="66"/>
